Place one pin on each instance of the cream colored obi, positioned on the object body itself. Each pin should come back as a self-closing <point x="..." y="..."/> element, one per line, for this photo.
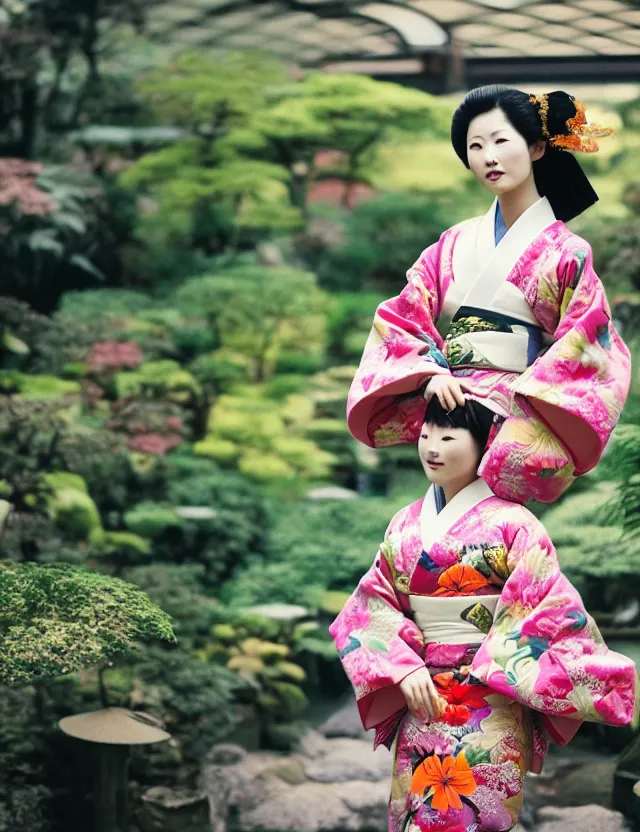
<point x="460" y="619"/>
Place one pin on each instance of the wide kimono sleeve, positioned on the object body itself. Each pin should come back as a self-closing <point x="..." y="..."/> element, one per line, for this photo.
<point x="545" y="651"/>
<point x="378" y="644"/>
<point x="403" y="351"/>
<point x="578" y="387"/>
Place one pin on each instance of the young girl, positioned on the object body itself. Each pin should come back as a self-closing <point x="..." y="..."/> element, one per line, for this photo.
<point x="526" y="324"/>
<point x="466" y="644"/>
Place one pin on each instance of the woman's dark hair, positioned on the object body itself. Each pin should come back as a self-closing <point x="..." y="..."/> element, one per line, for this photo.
<point x="558" y="175"/>
<point x="474" y="417"/>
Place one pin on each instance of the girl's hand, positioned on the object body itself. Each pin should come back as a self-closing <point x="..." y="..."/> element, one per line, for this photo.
<point x="422" y="697"/>
<point x="448" y="391"/>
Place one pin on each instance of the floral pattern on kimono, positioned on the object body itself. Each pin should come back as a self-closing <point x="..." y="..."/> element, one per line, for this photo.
<point x="558" y="413"/>
<point x="538" y="668"/>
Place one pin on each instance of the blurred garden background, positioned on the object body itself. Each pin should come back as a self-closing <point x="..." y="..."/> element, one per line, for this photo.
<point x="198" y="217"/>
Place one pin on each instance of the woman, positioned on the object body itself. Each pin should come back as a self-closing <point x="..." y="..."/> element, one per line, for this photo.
<point x="527" y="327"/>
<point x="466" y="644"/>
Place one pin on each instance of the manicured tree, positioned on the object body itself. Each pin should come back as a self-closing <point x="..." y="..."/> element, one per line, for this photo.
<point x="258" y="310"/>
<point x="56" y="620"/>
<point x="351" y="114"/>
<point x="206" y="193"/>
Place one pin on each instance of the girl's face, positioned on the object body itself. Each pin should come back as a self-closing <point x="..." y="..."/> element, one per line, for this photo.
<point x="448" y="455"/>
<point x="499" y="157"/>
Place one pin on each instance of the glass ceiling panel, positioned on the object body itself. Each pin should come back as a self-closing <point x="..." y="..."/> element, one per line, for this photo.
<point x="319" y="32"/>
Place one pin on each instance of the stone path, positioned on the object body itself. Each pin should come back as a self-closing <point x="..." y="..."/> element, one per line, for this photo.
<point x="335" y="782"/>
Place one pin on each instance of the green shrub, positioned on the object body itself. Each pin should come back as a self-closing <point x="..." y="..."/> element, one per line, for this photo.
<point x="45" y="387"/>
<point x="265" y="467"/>
<point x="305" y="456"/>
<point x="178" y="590"/>
<point x="282" y="386"/>
<point x="125" y="545"/>
<point x="384" y="237"/>
<point x="220" y="450"/>
<point x="152" y="519"/>
<point x="97" y="304"/>
<point x="300" y="364"/>
<point x="220" y="370"/>
<point x="58" y="480"/>
<point x="75" y="513"/>
<point x="297" y="410"/>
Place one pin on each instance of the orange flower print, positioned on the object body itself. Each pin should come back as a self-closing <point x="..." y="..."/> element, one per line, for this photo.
<point x="446" y="781"/>
<point x="460" y="580"/>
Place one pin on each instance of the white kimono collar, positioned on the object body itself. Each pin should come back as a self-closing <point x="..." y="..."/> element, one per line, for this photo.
<point x="480" y="266"/>
<point x="433" y="525"/>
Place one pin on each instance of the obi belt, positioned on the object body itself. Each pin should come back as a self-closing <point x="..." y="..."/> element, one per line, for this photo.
<point x="487" y="340"/>
<point x="459" y="619"/>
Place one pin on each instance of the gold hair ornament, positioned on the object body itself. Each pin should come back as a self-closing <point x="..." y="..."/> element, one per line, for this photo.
<point x="581" y="136"/>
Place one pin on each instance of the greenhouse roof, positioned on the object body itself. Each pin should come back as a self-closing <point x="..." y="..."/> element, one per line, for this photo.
<point x="452" y="42"/>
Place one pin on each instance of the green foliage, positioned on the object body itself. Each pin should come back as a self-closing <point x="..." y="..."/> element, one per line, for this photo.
<point x="241" y="644"/>
<point x="152" y="520"/>
<point x="121" y="547"/>
<point x="349" y="323"/>
<point x="219" y="450"/>
<point x="288" y="314"/>
<point x="42" y="387"/>
<point x="50" y="217"/>
<point x="195" y="699"/>
<point x="383" y="238"/>
<point x="59" y="620"/>
<point x="312" y="547"/>
<point x="75" y="513"/>
<point x="177" y="589"/>
<point x="264" y="436"/>
<point x="264" y="467"/>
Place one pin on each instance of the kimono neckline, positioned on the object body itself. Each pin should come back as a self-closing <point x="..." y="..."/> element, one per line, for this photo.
<point x="434" y="524"/>
<point x="480" y="267"/>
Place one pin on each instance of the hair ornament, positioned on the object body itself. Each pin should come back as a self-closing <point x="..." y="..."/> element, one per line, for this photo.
<point x="580" y="136"/>
<point x="542" y="103"/>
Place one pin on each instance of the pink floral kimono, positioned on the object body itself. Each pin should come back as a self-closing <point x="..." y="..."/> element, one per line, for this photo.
<point x="527" y="331"/>
<point x="475" y="594"/>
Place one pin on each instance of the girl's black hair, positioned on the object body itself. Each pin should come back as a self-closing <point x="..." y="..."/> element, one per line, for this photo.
<point x="474" y="417"/>
<point x="558" y="175"/>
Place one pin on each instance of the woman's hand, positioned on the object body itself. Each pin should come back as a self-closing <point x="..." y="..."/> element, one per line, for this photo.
<point x="422" y="697"/>
<point x="448" y="391"/>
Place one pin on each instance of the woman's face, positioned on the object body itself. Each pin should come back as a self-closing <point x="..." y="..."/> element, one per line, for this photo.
<point x="448" y="455"/>
<point x="498" y="155"/>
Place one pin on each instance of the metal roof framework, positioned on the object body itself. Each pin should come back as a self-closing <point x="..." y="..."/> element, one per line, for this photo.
<point x="435" y="44"/>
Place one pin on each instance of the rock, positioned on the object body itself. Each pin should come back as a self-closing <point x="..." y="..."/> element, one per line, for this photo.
<point x="174" y="810"/>
<point x="318" y="807"/>
<point x="331" y="492"/>
<point x="338" y="784"/>
<point x="592" y="782"/>
<point x="290" y="771"/>
<point x="347" y="759"/>
<point x="269" y="254"/>
<point x="345" y="723"/>
<point x="278" y="612"/>
<point x="585" y="818"/>
<point x="226" y="754"/>
<point x="196" y="512"/>
<point x="313" y="744"/>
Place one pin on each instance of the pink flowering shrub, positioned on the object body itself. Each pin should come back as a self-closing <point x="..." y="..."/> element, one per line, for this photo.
<point x="106" y="356"/>
<point x="155" y="443"/>
<point x="18" y="187"/>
